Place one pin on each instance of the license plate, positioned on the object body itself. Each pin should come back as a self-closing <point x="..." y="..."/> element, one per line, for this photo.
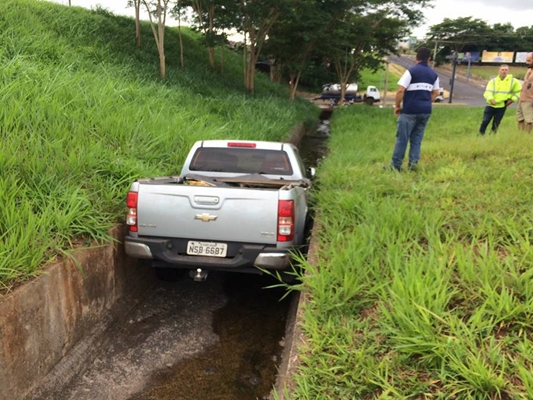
<point x="208" y="249"/>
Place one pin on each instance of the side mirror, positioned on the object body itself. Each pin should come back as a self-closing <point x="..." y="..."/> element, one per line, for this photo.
<point x="311" y="171"/>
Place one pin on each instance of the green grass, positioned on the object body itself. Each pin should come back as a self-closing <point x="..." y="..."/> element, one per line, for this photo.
<point x="378" y="79"/>
<point x="422" y="289"/>
<point x="84" y="113"/>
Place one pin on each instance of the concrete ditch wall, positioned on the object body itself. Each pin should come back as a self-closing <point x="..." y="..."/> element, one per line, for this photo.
<point x="294" y="336"/>
<point x="43" y="319"/>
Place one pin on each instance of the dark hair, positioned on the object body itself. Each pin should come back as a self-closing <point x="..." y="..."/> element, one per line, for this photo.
<point x="423" y="54"/>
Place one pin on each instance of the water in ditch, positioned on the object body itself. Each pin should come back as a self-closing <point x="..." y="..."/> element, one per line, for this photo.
<point x="244" y="362"/>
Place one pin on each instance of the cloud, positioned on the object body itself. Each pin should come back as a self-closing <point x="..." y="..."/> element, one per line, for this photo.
<point x="517" y="5"/>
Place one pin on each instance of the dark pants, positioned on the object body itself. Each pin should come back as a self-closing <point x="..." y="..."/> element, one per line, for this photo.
<point x="494" y="114"/>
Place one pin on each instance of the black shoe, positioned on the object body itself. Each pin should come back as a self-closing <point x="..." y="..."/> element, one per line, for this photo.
<point x="391" y="168"/>
<point x="413" y="167"/>
<point x="481" y="134"/>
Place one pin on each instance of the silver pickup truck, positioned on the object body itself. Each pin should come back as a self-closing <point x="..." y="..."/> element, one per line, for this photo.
<point x="236" y="206"/>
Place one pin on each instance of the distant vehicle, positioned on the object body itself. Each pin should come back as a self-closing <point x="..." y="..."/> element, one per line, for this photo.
<point x="371" y="96"/>
<point x="332" y="91"/>
<point x="335" y="88"/>
<point x="440" y="96"/>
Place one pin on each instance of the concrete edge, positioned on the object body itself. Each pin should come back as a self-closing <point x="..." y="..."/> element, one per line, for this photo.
<point x="55" y="314"/>
<point x="294" y="335"/>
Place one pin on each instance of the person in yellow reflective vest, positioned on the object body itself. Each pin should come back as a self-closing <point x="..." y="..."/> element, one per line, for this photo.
<point x="500" y="93"/>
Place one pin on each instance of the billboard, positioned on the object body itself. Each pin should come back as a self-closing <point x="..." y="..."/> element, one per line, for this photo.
<point x="497" y="56"/>
<point x="520" y="57"/>
<point x="472" y="56"/>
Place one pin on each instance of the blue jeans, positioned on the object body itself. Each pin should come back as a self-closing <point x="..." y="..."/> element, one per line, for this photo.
<point x="494" y="114"/>
<point x="410" y="131"/>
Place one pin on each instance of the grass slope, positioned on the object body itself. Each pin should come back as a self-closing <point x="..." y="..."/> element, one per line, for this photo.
<point x="84" y="113"/>
<point x="423" y="286"/>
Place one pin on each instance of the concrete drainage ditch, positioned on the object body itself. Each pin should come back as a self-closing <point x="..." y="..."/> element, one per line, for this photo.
<point x="108" y="333"/>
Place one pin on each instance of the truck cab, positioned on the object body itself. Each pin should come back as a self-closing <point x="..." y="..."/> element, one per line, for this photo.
<point x="372" y="95"/>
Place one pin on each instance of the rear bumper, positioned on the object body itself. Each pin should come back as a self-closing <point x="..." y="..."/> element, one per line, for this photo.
<point x="240" y="256"/>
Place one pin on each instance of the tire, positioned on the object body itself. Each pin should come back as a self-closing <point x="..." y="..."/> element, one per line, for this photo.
<point x="369" y="101"/>
<point x="169" y="274"/>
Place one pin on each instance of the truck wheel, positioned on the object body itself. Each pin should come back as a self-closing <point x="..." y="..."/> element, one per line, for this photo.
<point x="369" y="101"/>
<point x="169" y="274"/>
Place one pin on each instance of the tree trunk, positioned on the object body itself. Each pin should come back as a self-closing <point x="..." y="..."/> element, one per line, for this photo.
<point x="137" y="6"/>
<point x="251" y="69"/>
<point x="244" y="59"/>
<point x="182" y="58"/>
<point x="222" y="49"/>
<point x="161" y="32"/>
<point x="295" y="81"/>
<point x="211" y="51"/>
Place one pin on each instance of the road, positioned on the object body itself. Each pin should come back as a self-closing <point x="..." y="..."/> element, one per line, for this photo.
<point x="468" y="93"/>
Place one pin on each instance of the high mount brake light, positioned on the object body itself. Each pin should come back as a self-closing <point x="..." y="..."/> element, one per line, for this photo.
<point x="131" y="217"/>
<point x="241" y="144"/>
<point x="285" y="220"/>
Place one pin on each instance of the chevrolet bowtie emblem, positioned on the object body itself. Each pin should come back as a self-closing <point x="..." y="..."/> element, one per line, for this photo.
<point x="205" y="217"/>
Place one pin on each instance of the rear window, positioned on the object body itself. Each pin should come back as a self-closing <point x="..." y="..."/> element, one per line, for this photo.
<point x="239" y="160"/>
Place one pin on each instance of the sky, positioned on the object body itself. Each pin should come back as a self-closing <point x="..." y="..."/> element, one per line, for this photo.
<point x="517" y="12"/>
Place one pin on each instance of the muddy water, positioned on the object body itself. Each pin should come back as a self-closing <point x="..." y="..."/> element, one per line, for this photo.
<point x="243" y="363"/>
<point x="313" y="145"/>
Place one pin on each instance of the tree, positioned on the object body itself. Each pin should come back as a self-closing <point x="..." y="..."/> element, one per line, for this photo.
<point x="159" y="11"/>
<point x="136" y="4"/>
<point x="206" y="21"/>
<point x="294" y="37"/>
<point x="254" y="19"/>
<point x="178" y="12"/>
<point x="469" y="34"/>
<point x="460" y="34"/>
<point x="365" y="31"/>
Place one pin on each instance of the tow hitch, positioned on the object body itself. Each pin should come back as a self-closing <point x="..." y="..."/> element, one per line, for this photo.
<point x="199" y="275"/>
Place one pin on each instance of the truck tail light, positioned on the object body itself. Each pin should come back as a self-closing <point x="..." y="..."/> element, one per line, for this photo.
<point x="242" y="144"/>
<point x="285" y="220"/>
<point x="131" y="217"/>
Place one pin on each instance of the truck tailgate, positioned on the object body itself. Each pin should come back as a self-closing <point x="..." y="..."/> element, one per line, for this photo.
<point x="208" y="213"/>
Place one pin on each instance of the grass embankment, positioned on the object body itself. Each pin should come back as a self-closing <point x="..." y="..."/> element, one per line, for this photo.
<point x="84" y="113"/>
<point x="422" y="288"/>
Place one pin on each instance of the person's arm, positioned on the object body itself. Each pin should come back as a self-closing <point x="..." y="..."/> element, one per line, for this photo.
<point x="436" y="89"/>
<point x="434" y="94"/>
<point x="403" y="84"/>
<point x="489" y="93"/>
<point x="515" y="92"/>
<point x="398" y="100"/>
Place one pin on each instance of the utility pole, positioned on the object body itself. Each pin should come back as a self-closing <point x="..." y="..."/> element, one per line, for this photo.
<point x="434" y="54"/>
<point x="385" y="89"/>
<point x="453" y="58"/>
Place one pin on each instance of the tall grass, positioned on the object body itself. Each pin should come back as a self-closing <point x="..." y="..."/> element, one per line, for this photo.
<point x="422" y="286"/>
<point x="84" y="113"/>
